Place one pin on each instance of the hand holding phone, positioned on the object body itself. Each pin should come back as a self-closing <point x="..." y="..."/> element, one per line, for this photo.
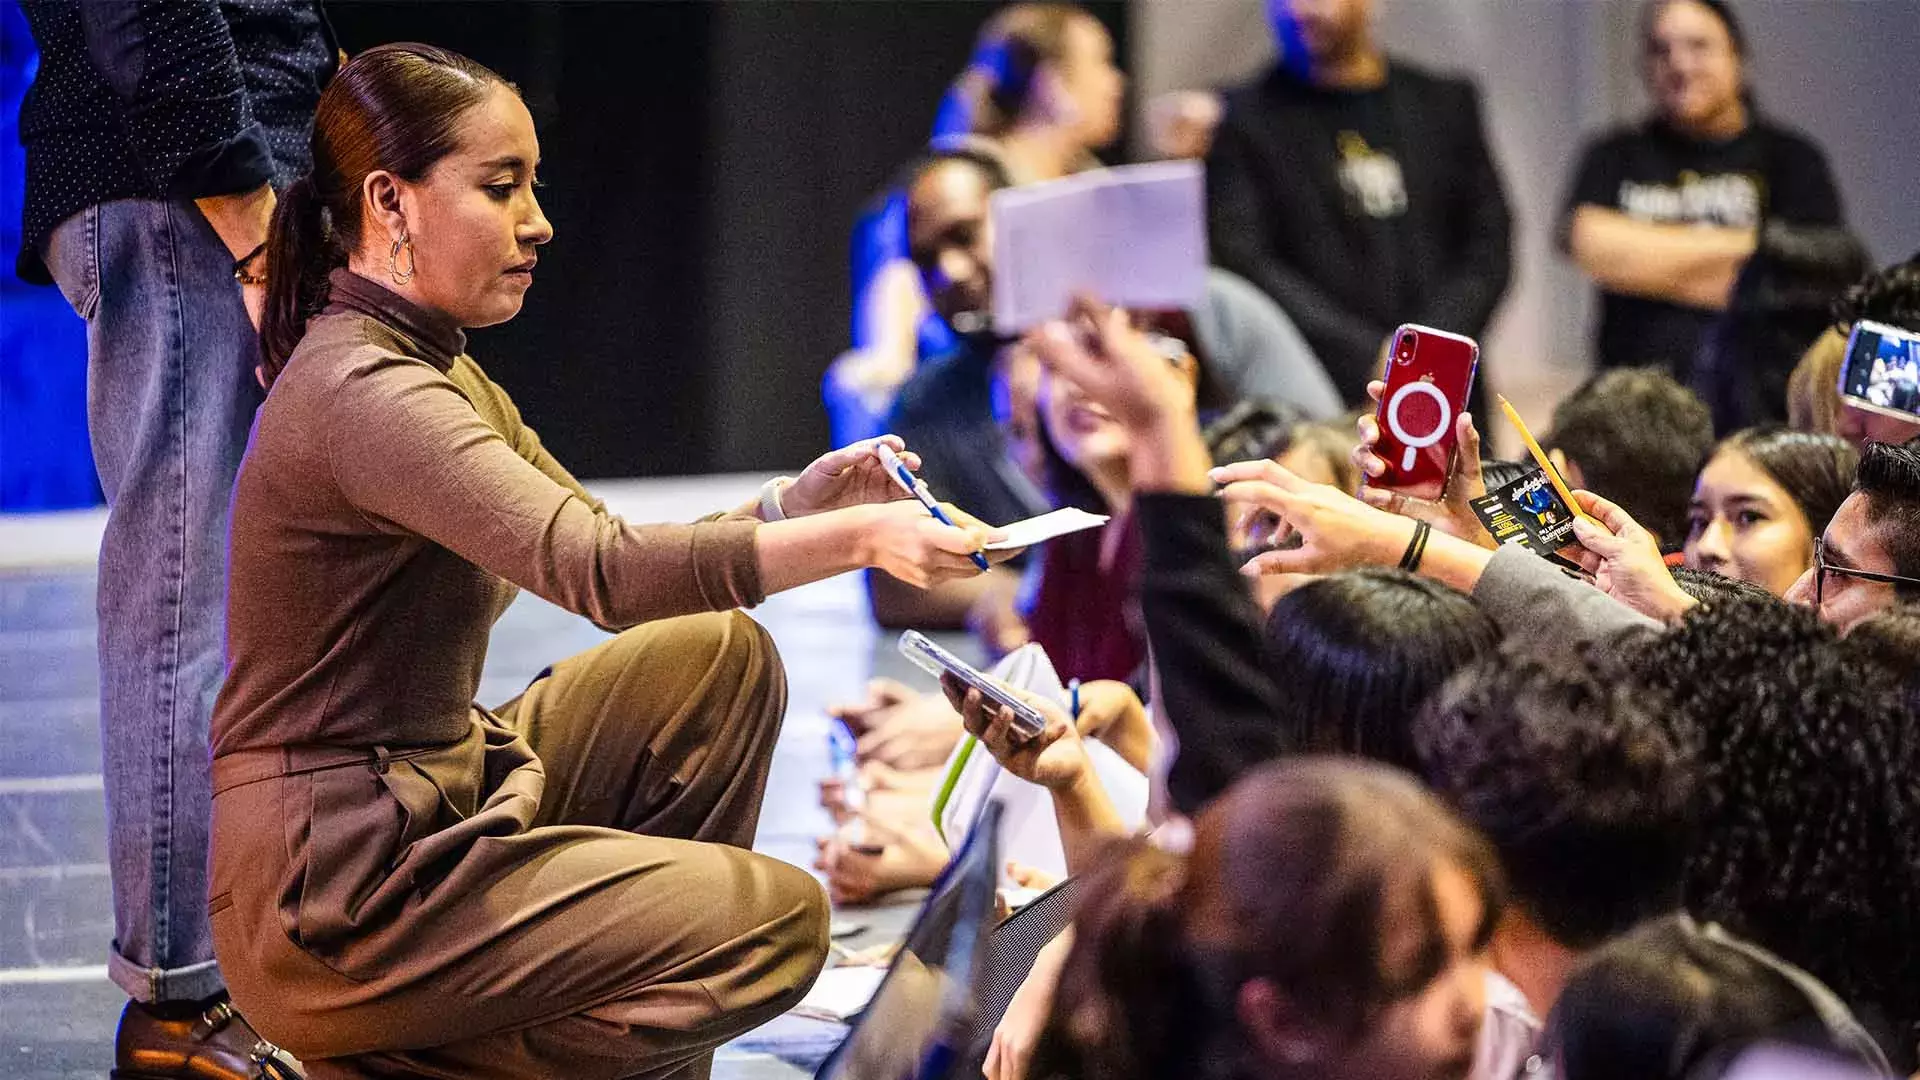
<point x="1429" y="375"/>
<point x="935" y="660"/>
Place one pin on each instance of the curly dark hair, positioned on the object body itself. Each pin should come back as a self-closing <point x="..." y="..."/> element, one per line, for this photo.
<point x="1705" y="585"/>
<point x="1585" y="792"/>
<point x="1810" y="832"/>
<point x="1890" y="296"/>
<point x="1891" y="639"/>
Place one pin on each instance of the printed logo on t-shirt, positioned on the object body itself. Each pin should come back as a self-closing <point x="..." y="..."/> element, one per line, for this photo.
<point x="1728" y="199"/>
<point x="1370" y="178"/>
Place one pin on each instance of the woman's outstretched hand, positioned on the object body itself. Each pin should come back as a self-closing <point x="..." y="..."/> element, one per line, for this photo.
<point x="903" y="539"/>
<point x="1452" y="513"/>
<point x="849" y="476"/>
<point x="1337" y="531"/>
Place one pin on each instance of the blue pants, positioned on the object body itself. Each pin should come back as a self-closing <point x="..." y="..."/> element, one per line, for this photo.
<point x="170" y="397"/>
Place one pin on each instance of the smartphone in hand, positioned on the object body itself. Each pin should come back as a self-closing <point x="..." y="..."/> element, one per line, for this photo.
<point x="932" y="659"/>
<point x="1881" y="372"/>
<point x="1429" y="375"/>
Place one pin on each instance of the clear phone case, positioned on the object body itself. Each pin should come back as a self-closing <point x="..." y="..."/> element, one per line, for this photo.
<point x="935" y="661"/>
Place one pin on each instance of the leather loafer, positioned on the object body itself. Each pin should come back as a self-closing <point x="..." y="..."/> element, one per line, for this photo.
<point x="214" y="1044"/>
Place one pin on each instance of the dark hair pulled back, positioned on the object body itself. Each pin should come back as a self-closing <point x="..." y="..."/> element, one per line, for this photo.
<point x="393" y="108"/>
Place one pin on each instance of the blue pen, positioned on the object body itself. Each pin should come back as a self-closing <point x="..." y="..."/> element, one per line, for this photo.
<point x="842" y="756"/>
<point x="917" y="488"/>
<point x="1073" y="687"/>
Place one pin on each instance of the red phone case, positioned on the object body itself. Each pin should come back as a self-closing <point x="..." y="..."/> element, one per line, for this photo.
<point x="1429" y="373"/>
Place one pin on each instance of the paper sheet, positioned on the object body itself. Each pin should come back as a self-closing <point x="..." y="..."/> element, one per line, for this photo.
<point x="1134" y="236"/>
<point x="840" y="993"/>
<point x="1036" y="530"/>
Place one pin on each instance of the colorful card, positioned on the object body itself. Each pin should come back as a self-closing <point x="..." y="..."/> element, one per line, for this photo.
<point x="1527" y="512"/>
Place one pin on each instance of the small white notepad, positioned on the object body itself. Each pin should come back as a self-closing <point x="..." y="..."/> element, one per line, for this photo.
<point x="840" y="993"/>
<point x="1134" y="236"/>
<point x="1037" y="530"/>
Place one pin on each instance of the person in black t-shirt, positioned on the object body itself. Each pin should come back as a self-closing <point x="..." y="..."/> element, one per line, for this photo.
<point x="1357" y="191"/>
<point x="1663" y="215"/>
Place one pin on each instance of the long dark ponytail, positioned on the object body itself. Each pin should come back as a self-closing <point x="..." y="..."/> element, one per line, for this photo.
<point x="394" y="108"/>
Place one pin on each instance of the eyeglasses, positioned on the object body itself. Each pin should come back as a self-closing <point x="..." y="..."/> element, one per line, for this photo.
<point x="1821" y="568"/>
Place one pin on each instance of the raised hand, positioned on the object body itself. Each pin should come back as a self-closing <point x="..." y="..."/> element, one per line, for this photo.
<point x="1625" y="560"/>
<point x="1337" y="531"/>
<point x="1114" y="364"/>
<point x="1452" y="513"/>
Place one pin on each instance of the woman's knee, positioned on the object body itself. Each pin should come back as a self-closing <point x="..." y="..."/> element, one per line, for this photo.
<point x="802" y="935"/>
<point x="726" y="652"/>
<point x="769" y="939"/>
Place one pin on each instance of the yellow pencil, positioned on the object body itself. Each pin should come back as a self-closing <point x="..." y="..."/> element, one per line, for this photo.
<point x="1540" y="458"/>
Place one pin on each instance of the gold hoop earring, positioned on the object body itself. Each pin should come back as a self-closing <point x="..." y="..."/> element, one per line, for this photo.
<point x="400" y="277"/>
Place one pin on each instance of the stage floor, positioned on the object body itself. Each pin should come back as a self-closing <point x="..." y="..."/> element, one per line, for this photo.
<point x="57" y="1009"/>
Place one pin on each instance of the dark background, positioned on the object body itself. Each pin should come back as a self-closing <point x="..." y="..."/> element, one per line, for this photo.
<point x="703" y="165"/>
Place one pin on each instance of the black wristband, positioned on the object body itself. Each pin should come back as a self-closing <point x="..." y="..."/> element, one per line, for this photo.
<point x="240" y="272"/>
<point x="1416" y="547"/>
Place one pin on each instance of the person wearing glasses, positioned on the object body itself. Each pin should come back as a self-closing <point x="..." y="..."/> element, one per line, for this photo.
<point x="1869" y="557"/>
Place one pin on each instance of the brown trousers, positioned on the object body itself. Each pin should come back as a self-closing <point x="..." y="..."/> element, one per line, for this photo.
<point x="605" y="920"/>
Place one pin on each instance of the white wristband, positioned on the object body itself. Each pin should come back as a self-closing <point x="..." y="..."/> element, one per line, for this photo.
<point x="770" y="509"/>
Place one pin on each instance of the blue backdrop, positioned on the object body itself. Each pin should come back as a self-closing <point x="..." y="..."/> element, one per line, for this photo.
<point x="45" y="462"/>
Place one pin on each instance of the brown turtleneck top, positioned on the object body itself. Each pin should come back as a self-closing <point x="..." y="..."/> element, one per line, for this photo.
<point x="389" y="504"/>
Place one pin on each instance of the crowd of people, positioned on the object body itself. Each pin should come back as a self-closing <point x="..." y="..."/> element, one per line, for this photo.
<point x="1646" y="780"/>
<point x="1425" y="805"/>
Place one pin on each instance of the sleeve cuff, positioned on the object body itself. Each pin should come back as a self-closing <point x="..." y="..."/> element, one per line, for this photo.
<point x="726" y="563"/>
<point x="228" y="167"/>
<point x="1172" y="526"/>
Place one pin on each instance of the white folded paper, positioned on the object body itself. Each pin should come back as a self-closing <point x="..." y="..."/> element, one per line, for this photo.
<point x="1134" y="236"/>
<point x="840" y="993"/>
<point x="1036" y="530"/>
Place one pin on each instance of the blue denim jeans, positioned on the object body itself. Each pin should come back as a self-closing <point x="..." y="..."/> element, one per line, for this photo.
<point x="170" y="397"/>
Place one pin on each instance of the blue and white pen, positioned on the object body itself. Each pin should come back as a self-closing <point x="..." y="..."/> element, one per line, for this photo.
<point x="917" y="488"/>
<point x="842" y="758"/>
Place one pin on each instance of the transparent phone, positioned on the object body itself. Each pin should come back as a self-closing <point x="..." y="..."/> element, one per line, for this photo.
<point x="934" y="660"/>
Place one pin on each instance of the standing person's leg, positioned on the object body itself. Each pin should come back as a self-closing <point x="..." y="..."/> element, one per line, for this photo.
<point x="171" y="396"/>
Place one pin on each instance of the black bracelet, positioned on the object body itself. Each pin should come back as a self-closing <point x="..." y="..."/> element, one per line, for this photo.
<point x="1416" y="547"/>
<point x="240" y="272"/>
